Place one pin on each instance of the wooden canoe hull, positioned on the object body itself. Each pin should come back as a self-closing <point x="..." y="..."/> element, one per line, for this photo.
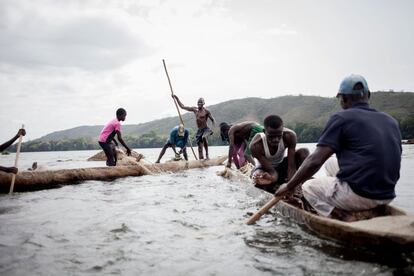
<point x="395" y="230"/>
<point x="37" y="180"/>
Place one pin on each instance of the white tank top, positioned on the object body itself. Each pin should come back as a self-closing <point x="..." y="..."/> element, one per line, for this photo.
<point x="276" y="158"/>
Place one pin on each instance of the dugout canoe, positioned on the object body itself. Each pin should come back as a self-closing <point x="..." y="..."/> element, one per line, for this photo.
<point x="38" y="180"/>
<point x="387" y="227"/>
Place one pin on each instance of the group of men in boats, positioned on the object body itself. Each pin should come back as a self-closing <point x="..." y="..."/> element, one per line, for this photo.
<point x="367" y="145"/>
<point x="178" y="135"/>
<point x="362" y="176"/>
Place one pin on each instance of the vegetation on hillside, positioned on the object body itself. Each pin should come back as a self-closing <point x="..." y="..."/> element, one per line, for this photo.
<point x="306" y="115"/>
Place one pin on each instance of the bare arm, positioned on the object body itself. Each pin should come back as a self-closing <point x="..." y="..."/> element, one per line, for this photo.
<point x="173" y="148"/>
<point x="231" y="147"/>
<point x="119" y="136"/>
<point x="11" y="141"/>
<point x="250" y="159"/>
<point x="290" y="139"/>
<point x="211" y="118"/>
<point x="309" y="167"/>
<point x="192" y="109"/>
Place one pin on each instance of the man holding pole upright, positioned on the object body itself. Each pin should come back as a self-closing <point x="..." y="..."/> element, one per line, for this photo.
<point x="202" y="115"/>
<point x="4" y="146"/>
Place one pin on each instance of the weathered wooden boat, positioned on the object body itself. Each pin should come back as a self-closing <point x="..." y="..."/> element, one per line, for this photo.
<point x="387" y="227"/>
<point x="37" y="180"/>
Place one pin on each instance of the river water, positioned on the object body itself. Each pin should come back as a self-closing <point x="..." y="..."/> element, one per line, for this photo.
<point x="187" y="223"/>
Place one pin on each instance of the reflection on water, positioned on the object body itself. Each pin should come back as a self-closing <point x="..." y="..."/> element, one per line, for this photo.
<point x="189" y="223"/>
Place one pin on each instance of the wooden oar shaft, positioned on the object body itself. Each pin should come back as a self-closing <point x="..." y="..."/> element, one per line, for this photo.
<point x="176" y="105"/>
<point x="16" y="161"/>
<point x="172" y="92"/>
<point x="263" y="210"/>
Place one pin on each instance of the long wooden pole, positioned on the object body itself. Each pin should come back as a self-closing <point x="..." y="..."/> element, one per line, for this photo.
<point x="176" y="106"/>
<point x="263" y="210"/>
<point x="16" y="162"/>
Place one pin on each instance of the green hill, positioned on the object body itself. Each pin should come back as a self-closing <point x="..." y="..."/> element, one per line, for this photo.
<point x="305" y="114"/>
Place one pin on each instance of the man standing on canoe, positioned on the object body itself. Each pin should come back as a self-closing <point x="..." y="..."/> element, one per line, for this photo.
<point x="367" y="144"/>
<point x="239" y="137"/>
<point x="107" y="137"/>
<point x="7" y="144"/>
<point x="202" y="115"/>
<point x="178" y="138"/>
<point x="268" y="148"/>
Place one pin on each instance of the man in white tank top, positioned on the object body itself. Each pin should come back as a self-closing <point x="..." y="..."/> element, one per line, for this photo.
<point x="268" y="148"/>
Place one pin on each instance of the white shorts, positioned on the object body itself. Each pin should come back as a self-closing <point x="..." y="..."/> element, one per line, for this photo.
<point x="326" y="193"/>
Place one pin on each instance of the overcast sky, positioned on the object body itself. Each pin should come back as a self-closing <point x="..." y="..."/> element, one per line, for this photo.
<point x="67" y="63"/>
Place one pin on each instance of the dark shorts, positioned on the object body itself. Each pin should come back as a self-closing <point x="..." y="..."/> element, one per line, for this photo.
<point x="281" y="170"/>
<point x="203" y="133"/>
<point x="108" y="148"/>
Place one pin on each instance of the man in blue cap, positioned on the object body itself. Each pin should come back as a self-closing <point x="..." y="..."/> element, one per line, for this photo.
<point x="367" y="144"/>
<point x="178" y="138"/>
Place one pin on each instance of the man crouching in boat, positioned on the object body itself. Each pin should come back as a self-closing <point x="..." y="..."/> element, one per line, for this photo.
<point x="367" y="144"/>
<point x="178" y="138"/>
<point x="7" y="144"/>
<point x="107" y="137"/>
<point x="268" y="148"/>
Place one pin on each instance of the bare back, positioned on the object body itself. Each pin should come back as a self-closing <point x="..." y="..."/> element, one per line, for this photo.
<point x="242" y="131"/>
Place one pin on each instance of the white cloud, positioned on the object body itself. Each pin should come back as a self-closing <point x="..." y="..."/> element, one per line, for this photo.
<point x="52" y="36"/>
<point x="279" y="31"/>
<point x="70" y="63"/>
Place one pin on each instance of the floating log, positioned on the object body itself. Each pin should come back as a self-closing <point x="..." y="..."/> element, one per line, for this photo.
<point x="37" y="180"/>
<point x="100" y="156"/>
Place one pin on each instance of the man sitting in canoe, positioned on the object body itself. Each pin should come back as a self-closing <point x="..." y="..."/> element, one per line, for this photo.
<point x="367" y="144"/>
<point x="239" y="137"/>
<point x="7" y="144"/>
<point x="268" y="149"/>
<point x="107" y="137"/>
<point x="178" y="138"/>
<point x="202" y="115"/>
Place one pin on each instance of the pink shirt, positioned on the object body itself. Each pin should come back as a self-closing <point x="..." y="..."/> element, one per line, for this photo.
<point x="109" y="131"/>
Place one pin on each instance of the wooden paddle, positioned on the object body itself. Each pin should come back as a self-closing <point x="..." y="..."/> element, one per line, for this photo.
<point x="263" y="210"/>
<point x="15" y="162"/>
<point x="176" y="106"/>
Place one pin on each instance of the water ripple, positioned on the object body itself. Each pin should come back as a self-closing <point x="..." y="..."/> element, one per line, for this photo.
<point x="189" y="223"/>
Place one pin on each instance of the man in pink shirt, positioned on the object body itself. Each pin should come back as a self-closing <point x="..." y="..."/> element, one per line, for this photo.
<point x="107" y="137"/>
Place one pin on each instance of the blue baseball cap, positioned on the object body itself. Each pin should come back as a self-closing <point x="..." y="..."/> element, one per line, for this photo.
<point x="353" y="85"/>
